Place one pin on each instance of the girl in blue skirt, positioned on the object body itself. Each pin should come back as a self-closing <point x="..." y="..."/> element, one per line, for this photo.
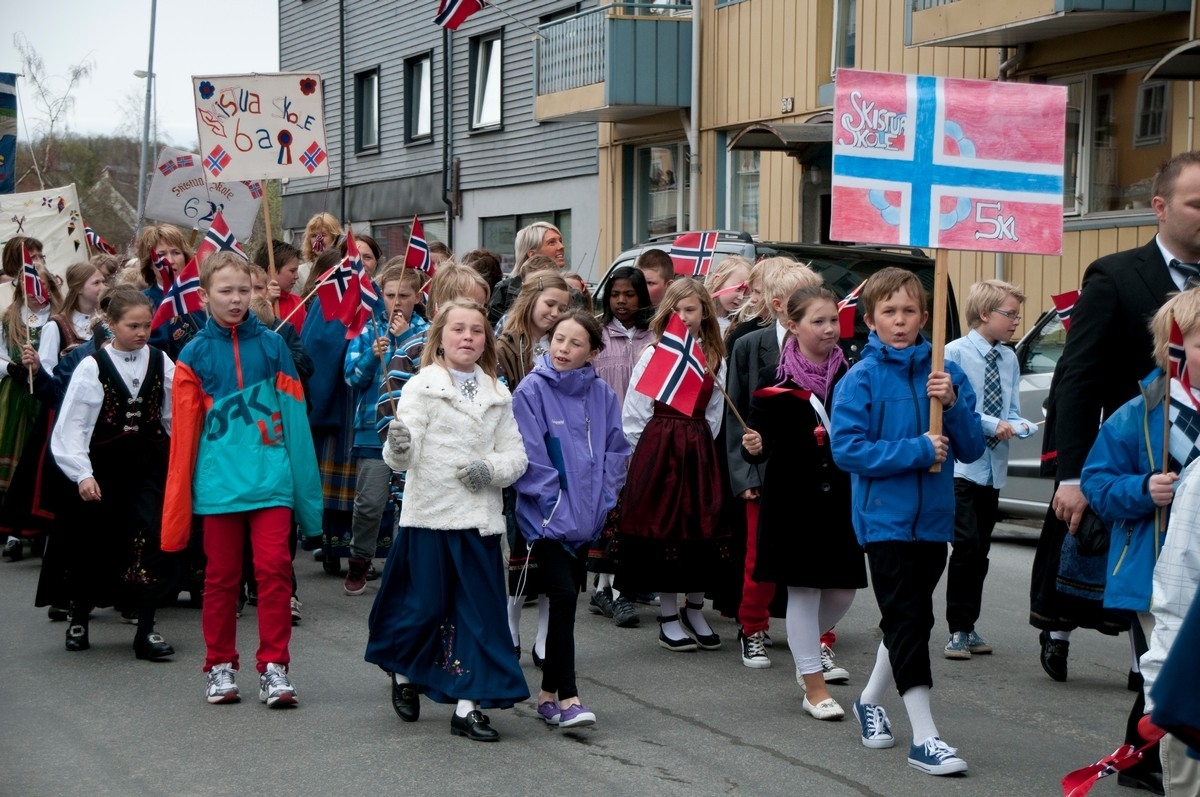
<point x="438" y="624"/>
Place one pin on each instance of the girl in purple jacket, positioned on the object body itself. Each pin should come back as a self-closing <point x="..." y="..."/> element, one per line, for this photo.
<point x="571" y="423"/>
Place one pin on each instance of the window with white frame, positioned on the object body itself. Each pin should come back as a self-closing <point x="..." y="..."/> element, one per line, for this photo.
<point x="1151" y="115"/>
<point x="661" y="189"/>
<point x="845" y="30"/>
<point x="486" y="80"/>
<point x="366" y="110"/>
<point x="744" y="172"/>
<point x="1116" y="139"/>
<point x="418" y="98"/>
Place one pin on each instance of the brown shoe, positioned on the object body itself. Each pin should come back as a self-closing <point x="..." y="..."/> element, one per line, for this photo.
<point x="356" y="578"/>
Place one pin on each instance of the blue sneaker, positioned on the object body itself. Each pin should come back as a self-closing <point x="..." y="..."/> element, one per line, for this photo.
<point x="876" y="730"/>
<point x="576" y="716"/>
<point x="958" y="647"/>
<point x="935" y="757"/>
<point x="977" y="644"/>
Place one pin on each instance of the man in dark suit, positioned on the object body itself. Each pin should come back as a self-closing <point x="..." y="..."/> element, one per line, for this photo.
<point x="1107" y="352"/>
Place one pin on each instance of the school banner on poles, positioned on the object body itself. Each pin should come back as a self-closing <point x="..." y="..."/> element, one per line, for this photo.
<point x="948" y="163"/>
<point x="259" y="126"/>
<point x="8" y="132"/>
<point x="179" y="194"/>
<point x="52" y="217"/>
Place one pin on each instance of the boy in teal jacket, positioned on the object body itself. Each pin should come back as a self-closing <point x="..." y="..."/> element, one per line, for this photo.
<point x="241" y="455"/>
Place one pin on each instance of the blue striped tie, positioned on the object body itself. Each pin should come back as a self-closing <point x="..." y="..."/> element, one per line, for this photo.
<point x="993" y="401"/>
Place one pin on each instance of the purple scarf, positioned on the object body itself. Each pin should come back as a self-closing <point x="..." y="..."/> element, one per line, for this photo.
<point x="804" y="372"/>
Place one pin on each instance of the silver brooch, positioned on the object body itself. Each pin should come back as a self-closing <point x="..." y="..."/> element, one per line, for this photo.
<point x="469" y="388"/>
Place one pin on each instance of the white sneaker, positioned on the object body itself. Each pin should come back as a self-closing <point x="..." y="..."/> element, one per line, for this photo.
<point x="221" y="685"/>
<point x="275" y="689"/>
<point x="833" y="673"/>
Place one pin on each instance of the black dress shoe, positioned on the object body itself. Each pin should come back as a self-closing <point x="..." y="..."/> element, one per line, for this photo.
<point x="1054" y="656"/>
<point x="1135" y="682"/>
<point x="711" y="641"/>
<point x="1133" y="779"/>
<point x="77" y="637"/>
<point x="152" y="647"/>
<point x="538" y="661"/>
<point x="474" y="726"/>
<point x="407" y="701"/>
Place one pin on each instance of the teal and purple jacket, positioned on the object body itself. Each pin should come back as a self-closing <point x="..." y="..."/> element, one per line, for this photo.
<point x="240" y="436"/>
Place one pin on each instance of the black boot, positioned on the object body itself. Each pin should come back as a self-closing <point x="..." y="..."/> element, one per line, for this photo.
<point x="77" y="631"/>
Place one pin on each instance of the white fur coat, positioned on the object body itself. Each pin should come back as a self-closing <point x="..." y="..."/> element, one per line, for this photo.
<point x="448" y="431"/>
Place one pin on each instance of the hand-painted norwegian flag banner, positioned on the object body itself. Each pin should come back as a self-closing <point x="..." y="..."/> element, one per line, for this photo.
<point x="948" y="163"/>
<point x="182" y="192"/>
<point x="257" y="126"/>
<point x="675" y="373"/>
<point x="692" y="253"/>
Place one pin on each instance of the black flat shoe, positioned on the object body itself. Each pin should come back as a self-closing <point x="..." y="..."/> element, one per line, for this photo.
<point x="675" y="645"/>
<point x="77" y="638"/>
<point x="407" y="701"/>
<point x="707" y="641"/>
<point x="152" y="647"/>
<point x="1054" y="656"/>
<point x="1150" y="781"/>
<point x="538" y="661"/>
<point x="474" y="726"/>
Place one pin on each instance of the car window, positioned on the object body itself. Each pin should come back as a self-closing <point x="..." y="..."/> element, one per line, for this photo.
<point x="1044" y="347"/>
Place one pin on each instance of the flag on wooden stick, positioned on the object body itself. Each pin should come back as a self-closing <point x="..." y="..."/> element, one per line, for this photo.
<point x="675" y="373"/>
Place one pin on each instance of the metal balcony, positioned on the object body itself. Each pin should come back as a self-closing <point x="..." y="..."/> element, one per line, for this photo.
<point x="988" y="23"/>
<point x="615" y="62"/>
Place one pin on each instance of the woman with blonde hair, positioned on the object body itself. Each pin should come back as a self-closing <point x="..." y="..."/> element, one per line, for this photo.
<point x="159" y="246"/>
<point x="539" y="238"/>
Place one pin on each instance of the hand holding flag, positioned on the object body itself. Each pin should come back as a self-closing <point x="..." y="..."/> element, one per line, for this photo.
<point x="182" y="297"/>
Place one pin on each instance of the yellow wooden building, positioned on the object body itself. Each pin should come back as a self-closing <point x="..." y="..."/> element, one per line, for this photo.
<point x="763" y="95"/>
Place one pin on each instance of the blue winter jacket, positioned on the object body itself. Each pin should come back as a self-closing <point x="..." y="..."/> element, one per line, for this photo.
<point x="571" y="424"/>
<point x="1116" y="480"/>
<point x="364" y="374"/>
<point x="879" y="420"/>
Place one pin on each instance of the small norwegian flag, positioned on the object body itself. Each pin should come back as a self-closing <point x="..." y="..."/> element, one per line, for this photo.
<point x="185" y="161"/>
<point x="692" y="253"/>
<point x="1177" y="355"/>
<point x="35" y="288"/>
<point x="338" y="288"/>
<point x="167" y="166"/>
<point x="417" y="254"/>
<point x="255" y="187"/>
<point x="369" y="303"/>
<point x="181" y="298"/>
<point x="675" y="373"/>
<point x="313" y="157"/>
<point x="96" y="242"/>
<point x="847" y="311"/>
<point x="166" y="274"/>
<point x="217" y="160"/>
<point x="1064" y="303"/>
<point x="452" y="13"/>
<point x="219" y="239"/>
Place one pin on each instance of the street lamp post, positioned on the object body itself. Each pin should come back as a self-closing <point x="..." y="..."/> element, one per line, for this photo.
<point x="149" y="77"/>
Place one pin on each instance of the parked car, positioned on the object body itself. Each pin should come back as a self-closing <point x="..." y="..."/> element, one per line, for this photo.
<point x="843" y="267"/>
<point x="1027" y="493"/>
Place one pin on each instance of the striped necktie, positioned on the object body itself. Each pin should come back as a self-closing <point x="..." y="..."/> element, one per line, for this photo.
<point x="1190" y="271"/>
<point x="993" y="403"/>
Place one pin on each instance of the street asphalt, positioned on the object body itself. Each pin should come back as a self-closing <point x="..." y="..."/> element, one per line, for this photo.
<point x="102" y="723"/>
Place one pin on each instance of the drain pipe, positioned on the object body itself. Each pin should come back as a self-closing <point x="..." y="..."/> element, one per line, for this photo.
<point x="342" y="111"/>
<point x="447" y="151"/>
<point x="1009" y="63"/>
<point x="693" y="131"/>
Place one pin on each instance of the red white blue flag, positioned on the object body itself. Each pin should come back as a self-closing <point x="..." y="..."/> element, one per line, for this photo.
<point x="338" y="288"/>
<point x="1064" y="303"/>
<point x="417" y="254"/>
<point x="219" y="239"/>
<point x="96" y="242"/>
<point x="675" y="373"/>
<point x="166" y="274"/>
<point x="692" y="253"/>
<point x="848" y="311"/>
<point x="452" y="13"/>
<point x="1177" y="355"/>
<point x="216" y="161"/>
<point x="181" y="298"/>
<point x="974" y="165"/>
<point x="34" y="287"/>
<point x="313" y="157"/>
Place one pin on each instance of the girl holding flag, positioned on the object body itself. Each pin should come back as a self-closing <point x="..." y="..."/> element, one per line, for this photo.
<point x="163" y="252"/>
<point x="669" y="538"/>
<point x="35" y="294"/>
<point x="821" y="565"/>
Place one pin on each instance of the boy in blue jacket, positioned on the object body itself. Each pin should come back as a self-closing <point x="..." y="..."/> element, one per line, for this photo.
<point x="903" y="513"/>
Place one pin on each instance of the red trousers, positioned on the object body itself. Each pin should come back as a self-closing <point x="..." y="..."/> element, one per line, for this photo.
<point x="754" y="614"/>
<point x="224" y="536"/>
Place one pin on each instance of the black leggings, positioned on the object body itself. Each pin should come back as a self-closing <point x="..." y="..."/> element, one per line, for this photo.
<point x="562" y="570"/>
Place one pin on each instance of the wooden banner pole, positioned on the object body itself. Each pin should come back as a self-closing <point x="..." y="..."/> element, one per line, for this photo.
<point x="266" y="206"/>
<point x="941" y="279"/>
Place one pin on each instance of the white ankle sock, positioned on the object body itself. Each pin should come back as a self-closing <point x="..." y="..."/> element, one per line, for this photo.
<point x="400" y="679"/>
<point x="696" y="616"/>
<point x="465" y="707"/>
<point x="1061" y="635"/>
<point x="916" y="703"/>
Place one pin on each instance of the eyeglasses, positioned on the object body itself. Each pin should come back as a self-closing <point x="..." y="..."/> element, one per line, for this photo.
<point x="1008" y="315"/>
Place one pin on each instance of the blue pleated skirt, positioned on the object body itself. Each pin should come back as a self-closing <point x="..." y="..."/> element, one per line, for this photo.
<point x="440" y="618"/>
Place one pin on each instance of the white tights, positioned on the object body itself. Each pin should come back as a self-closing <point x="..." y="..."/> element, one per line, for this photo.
<point x="515" y="604"/>
<point x="810" y="613"/>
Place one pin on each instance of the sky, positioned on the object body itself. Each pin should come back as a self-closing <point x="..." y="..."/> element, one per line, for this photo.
<point x="115" y="36"/>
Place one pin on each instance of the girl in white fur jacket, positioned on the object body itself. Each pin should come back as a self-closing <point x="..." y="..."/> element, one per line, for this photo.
<point x="438" y="623"/>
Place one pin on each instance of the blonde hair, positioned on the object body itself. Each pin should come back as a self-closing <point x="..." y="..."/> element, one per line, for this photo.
<point x="149" y="239"/>
<point x="710" y="332"/>
<point x="781" y="276"/>
<point x="452" y="281"/>
<point x="320" y="224"/>
<point x="262" y="309"/>
<point x="433" y="353"/>
<point x="77" y="276"/>
<point x="518" y="323"/>
<point x="530" y="238"/>
<point x="1184" y="308"/>
<point x="221" y="260"/>
<point x="719" y="276"/>
<point x="986" y="297"/>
